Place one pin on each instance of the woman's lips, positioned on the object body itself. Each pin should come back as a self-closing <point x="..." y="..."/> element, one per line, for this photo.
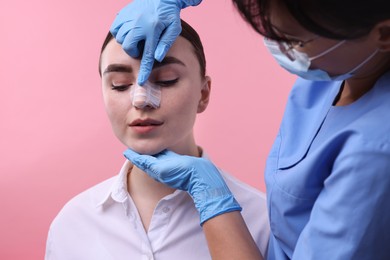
<point x="143" y="126"/>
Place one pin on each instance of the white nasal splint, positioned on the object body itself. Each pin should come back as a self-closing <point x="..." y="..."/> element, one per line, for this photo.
<point x="147" y="95"/>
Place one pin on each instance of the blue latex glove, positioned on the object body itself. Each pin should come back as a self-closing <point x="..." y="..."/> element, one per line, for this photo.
<point x="156" y="23"/>
<point x="198" y="176"/>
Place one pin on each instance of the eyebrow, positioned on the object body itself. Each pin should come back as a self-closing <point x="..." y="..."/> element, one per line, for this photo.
<point x="168" y="60"/>
<point x="128" y="69"/>
<point x="118" y="68"/>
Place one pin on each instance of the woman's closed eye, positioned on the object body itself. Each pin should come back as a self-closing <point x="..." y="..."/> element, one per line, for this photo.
<point x="166" y="83"/>
<point x="120" y="87"/>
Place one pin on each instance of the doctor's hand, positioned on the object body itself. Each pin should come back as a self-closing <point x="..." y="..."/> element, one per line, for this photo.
<point x="155" y="24"/>
<point x="198" y="176"/>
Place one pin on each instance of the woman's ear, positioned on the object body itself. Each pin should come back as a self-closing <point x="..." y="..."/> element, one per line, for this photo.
<point x="205" y="94"/>
<point x="382" y="31"/>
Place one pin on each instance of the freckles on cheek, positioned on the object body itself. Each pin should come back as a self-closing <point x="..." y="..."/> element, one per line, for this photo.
<point x="115" y="109"/>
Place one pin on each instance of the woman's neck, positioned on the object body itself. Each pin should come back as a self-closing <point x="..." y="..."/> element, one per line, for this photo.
<point x="140" y="183"/>
<point x="146" y="192"/>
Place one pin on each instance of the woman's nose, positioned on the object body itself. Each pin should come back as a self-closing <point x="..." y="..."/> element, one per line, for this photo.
<point x="146" y="96"/>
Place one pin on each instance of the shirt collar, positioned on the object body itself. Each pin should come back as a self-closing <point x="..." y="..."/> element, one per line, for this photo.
<point x="118" y="190"/>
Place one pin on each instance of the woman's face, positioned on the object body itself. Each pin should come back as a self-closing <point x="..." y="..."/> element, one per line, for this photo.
<point x="184" y="93"/>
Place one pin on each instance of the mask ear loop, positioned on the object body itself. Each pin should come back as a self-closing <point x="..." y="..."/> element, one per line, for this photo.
<point x="327" y="51"/>
<point x="364" y="62"/>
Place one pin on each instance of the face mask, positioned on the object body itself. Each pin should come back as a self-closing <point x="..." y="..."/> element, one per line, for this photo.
<point x="301" y="64"/>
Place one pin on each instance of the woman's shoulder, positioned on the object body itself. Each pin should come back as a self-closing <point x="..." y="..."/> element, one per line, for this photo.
<point x="82" y="203"/>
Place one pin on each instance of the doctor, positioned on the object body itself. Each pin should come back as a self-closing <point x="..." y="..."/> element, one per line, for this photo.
<point x="328" y="173"/>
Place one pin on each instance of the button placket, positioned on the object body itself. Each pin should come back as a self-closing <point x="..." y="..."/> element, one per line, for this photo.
<point x="159" y="223"/>
<point x="147" y="253"/>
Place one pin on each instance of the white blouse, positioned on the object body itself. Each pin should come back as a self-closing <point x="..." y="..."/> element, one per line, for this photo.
<point x="102" y="223"/>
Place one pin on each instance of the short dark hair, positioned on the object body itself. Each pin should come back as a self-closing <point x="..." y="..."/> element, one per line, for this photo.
<point x="334" y="19"/>
<point x="188" y="33"/>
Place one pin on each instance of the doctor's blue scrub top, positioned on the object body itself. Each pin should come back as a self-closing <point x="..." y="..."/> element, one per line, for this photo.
<point x="328" y="175"/>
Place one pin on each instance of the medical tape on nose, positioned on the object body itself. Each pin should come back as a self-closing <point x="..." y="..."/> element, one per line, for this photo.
<point x="147" y="95"/>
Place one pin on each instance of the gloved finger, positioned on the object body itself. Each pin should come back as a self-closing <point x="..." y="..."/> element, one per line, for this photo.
<point x="145" y="70"/>
<point x="167" y="39"/>
<point x="144" y="162"/>
<point x="122" y="17"/>
<point x="148" y="57"/>
<point x="116" y="25"/>
<point x="131" y="44"/>
<point x="122" y="33"/>
<point x="171" y="169"/>
<point x="131" y="155"/>
<point x="167" y="155"/>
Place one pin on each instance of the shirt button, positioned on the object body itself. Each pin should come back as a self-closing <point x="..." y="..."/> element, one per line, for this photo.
<point x="166" y="209"/>
<point x="131" y="215"/>
<point x="147" y="257"/>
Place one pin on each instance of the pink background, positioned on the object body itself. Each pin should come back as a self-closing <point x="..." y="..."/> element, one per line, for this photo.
<point x="55" y="139"/>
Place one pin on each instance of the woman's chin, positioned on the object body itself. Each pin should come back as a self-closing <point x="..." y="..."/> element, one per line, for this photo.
<point x="146" y="151"/>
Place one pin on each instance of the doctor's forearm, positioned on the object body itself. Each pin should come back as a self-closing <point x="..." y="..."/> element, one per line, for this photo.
<point x="228" y="238"/>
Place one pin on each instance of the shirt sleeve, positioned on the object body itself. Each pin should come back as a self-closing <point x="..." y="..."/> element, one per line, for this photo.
<point x="49" y="254"/>
<point x="351" y="217"/>
<point x="186" y="3"/>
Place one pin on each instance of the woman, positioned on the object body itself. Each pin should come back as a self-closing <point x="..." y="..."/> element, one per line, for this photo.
<point x="327" y="174"/>
<point x="131" y="216"/>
